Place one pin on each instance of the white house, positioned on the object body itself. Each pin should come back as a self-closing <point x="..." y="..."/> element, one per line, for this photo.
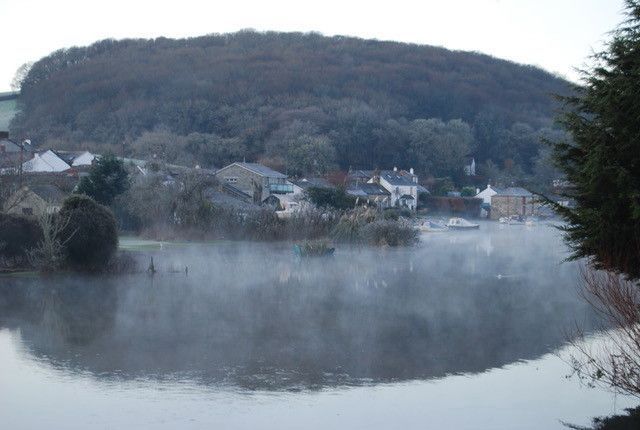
<point x="487" y="193"/>
<point x="403" y="188"/>
<point x="46" y="161"/>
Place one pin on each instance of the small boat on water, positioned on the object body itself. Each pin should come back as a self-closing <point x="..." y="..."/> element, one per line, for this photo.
<point x="512" y="220"/>
<point x="462" y="224"/>
<point x="432" y="227"/>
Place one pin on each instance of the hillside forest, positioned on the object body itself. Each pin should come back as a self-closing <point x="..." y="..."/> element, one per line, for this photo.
<point x="301" y="103"/>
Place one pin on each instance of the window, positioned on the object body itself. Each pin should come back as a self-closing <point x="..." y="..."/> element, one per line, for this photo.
<point x="27" y="211"/>
<point x="231" y="180"/>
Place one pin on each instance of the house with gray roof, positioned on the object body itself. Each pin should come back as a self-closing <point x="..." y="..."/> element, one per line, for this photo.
<point x="35" y="200"/>
<point x="372" y="193"/>
<point x="402" y="187"/>
<point x="8" y="146"/>
<point x="255" y="180"/>
<point x="513" y="201"/>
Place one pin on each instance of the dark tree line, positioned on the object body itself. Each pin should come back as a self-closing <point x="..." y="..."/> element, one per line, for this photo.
<point x="307" y="102"/>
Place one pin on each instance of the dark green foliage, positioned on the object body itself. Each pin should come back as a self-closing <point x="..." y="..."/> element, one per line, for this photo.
<point x="312" y="102"/>
<point x="18" y="235"/>
<point x="468" y="192"/>
<point x="90" y="235"/>
<point x="107" y="179"/>
<point x="331" y="198"/>
<point x="603" y="161"/>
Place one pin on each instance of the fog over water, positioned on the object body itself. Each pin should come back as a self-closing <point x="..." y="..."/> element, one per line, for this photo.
<point x="250" y="318"/>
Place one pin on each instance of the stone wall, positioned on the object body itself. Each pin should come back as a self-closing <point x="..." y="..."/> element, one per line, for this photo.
<point x="505" y="206"/>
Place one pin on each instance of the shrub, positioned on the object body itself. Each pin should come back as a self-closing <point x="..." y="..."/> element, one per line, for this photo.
<point x="468" y="192"/>
<point x="262" y="225"/>
<point x="18" y="235"/>
<point x="332" y="198"/>
<point x="311" y="224"/>
<point x="90" y="234"/>
<point x="389" y="233"/>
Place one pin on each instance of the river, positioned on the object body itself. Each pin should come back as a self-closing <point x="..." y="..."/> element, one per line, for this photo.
<point x="467" y="330"/>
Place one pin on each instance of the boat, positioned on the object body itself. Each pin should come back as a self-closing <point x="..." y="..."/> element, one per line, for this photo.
<point x="432" y="227"/>
<point x="462" y="224"/>
<point x="511" y="220"/>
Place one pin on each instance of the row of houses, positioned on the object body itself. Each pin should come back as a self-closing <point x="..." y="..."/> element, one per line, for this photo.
<point x="384" y="188"/>
<point x="245" y="184"/>
<point x="16" y="157"/>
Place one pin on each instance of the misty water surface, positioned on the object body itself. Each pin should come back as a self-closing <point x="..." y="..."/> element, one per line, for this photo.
<point x="250" y="318"/>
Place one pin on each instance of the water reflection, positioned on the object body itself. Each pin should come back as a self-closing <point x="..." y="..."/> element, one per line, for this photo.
<point x="249" y="315"/>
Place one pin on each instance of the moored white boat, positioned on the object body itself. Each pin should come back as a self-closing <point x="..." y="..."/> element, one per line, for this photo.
<point x="432" y="227"/>
<point x="461" y="224"/>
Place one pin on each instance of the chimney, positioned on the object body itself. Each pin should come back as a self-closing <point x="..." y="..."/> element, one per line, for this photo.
<point x="395" y="169"/>
<point x="411" y="170"/>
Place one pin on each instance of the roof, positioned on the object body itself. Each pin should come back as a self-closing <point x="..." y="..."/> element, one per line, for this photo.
<point x="225" y="200"/>
<point x="48" y="192"/>
<point x="76" y="158"/>
<point x="313" y="183"/>
<point x="406" y="197"/>
<point x="46" y="161"/>
<point x="366" y="189"/>
<point x="360" y="174"/>
<point x="422" y="189"/>
<point x="513" y="192"/>
<point x="9" y="145"/>
<point x="397" y="179"/>
<point x="260" y="170"/>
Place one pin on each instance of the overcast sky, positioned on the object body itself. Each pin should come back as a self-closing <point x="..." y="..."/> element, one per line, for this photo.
<point x="557" y="35"/>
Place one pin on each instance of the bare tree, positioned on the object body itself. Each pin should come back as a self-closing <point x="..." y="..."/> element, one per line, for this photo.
<point x="612" y="360"/>
<point x="21" y="73"/>
<point x="47" y="256"/>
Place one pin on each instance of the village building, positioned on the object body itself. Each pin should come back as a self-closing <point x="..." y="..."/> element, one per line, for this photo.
<point x="372" y="193"/>
<point x="35" y="200"/>
<point x="45" y="161"/>
<point x="486" y="194"/>
<point x="403" y="188"/>
<point x="513" y="201"/>
<point x="255" y="180"/>
<point x="7" y="145"/>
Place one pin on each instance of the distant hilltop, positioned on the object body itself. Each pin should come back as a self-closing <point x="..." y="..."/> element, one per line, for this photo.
<point x="301" y="100"/>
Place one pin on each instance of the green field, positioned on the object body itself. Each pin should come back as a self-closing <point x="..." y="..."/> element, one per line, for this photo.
<point x="8" y="109"/>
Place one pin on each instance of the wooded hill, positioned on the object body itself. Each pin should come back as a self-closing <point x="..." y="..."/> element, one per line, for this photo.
<point x="306" y="102"/>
